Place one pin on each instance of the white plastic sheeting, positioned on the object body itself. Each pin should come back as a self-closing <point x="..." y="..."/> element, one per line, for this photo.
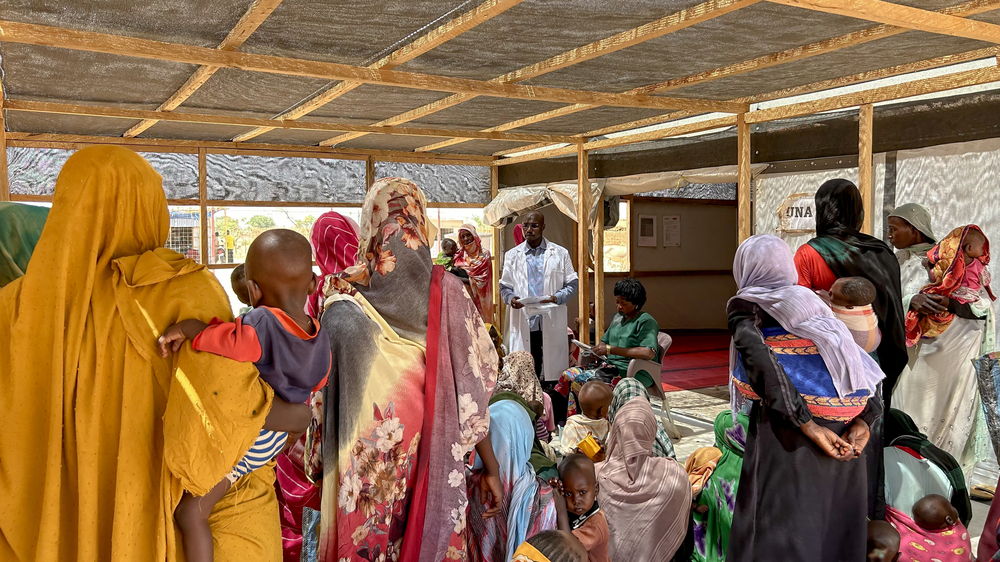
<point x="519" y="200"/>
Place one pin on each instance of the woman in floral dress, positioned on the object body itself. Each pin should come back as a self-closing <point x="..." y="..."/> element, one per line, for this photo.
<point x="413" y="370"/>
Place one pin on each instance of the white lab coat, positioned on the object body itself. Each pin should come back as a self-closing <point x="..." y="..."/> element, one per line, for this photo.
<point x="557" y="274"/>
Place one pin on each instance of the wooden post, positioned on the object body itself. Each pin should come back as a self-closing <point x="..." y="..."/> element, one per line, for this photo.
<point x="599" y="272"/>
<point x="744" y="208"/>
<point x="865" y="168"/>
<point x="4" y="184"/>
<point x="582" y="246"/>
<point x="202" y="203"/>
<point x="496" y="248"/>
<point x="369" y="172"/>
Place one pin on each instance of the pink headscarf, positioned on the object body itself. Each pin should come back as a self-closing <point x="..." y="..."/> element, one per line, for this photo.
<point x="335" y="243"/>
<point x="518" y="234"/>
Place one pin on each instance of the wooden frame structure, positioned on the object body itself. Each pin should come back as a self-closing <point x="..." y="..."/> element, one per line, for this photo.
<point x="890" y="20"/>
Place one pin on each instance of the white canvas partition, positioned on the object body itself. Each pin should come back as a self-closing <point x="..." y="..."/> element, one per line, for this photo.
<point x="518" y="200"/>
<point x="771" y="191"/>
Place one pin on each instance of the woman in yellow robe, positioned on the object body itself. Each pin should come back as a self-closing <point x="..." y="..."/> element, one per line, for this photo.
<point x="100" y="433"/>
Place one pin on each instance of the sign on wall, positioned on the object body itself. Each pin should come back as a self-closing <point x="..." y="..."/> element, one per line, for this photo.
<point x="671" y="231"/>
<point x="647" y="231"/>
<point x="797" y="214"/>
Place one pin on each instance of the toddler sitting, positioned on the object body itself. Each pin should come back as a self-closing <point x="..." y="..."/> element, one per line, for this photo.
<point x="576" y="506"/>
<point x="851" y="299"/>
<point x="285" y="344"/>
<point x="595" y="399"/>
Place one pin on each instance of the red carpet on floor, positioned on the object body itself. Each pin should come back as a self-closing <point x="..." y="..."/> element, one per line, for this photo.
<point x="696" y="361"/>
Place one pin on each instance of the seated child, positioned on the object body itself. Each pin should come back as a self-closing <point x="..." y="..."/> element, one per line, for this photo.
<point x="957" y="271"/>
<point x="935" y="532"/>
<point x="551" y="546"/>
<point x="595" y="399"/>
<point x="851" y="299"/>
<point x="286" y="345"/>
<point x="577" y="509"/>
<point x="883" y="542"/>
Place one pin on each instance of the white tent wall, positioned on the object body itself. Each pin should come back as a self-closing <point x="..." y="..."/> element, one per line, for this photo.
<point x="771" y="190"/>
<point x="956" y="182"/>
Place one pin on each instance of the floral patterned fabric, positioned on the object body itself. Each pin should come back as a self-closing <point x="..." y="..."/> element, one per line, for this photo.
<point x="413" y="370"/>
<point x="714" y="506"/>
<point x="478" y="262"/>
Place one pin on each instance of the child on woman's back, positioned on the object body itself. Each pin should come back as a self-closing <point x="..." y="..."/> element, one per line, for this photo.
<point x="851" y="299"/>
<point x="285" y="344"/>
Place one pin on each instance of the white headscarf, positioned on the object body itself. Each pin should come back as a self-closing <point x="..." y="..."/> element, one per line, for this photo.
<point x="765" y="274"/>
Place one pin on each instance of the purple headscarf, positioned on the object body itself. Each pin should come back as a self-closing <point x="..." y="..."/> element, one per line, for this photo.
<point x="765" y="274"/>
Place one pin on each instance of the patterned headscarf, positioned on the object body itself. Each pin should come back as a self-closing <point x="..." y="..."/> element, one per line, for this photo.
<point x="518" y="376"/>
<point x="627" y="390"/>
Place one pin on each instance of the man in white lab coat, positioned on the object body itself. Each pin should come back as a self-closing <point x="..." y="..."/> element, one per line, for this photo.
<point x="541" y="274"/>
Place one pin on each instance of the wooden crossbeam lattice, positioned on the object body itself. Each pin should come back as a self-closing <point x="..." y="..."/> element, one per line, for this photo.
<point x="793" y="54"/>
<point x="215" y="119"/>
<point x="434" y="38"/>
<point x="674" y="22"/>
<point x="903" y="16"/>
<point x="32" y="34"/>
<point x="251" y="20"/>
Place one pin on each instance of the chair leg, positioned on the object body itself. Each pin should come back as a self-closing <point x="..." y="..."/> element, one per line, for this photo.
<point x="667" y="420"/>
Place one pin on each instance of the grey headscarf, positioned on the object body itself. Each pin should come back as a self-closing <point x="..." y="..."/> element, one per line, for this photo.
<point x="765" y="274"/>
<point x="920" y="219"/>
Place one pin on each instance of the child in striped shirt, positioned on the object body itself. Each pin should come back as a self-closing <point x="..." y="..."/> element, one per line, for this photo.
<point x="851" y="300"/>
<point x="286" y="345"/>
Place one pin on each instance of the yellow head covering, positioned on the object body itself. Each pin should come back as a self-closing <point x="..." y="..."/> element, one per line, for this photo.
<point x="85" y="454"/>
<point x="528" y="553"/>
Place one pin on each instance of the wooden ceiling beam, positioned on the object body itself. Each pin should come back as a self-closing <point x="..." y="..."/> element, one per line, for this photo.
<point x="431" y="40"/>
<point x="214" y="119"/>
<point x="73" y="142"/>
<point x="842" y="81"/>
<point x="251" y="20"/>
<point x="32" y="34"/>
<point x="903" y="16"/>
<point x="802" y="52"/>
<point x="668" y="24"/>
<point x="685" y="129"/>
<point x="876" y="95"/>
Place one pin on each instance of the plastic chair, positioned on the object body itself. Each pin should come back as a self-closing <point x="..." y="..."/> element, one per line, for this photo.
<point x="655" y="369"/>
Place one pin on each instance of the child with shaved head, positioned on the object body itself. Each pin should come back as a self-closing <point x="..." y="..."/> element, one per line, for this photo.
<point x="577" y="509"/>
<point x="278" y="337"/>
<point x="594" y="399"/>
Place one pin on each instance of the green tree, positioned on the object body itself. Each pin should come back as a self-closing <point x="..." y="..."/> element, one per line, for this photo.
<point x="260" y="222"/>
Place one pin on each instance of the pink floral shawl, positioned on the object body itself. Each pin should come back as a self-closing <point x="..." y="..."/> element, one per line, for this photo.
<point x="413" y="372"/>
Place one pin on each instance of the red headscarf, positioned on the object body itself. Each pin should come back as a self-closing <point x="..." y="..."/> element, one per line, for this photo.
<point x="518" y="234"/>
<point x="335" y="243"/>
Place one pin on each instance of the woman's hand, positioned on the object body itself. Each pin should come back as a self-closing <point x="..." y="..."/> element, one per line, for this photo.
<point x="491" y="492"/>
<point x="929" y="304"/>
<point x="601" y="349"/>
<point x="828" y="441"/>
<point x="857" y="436"/>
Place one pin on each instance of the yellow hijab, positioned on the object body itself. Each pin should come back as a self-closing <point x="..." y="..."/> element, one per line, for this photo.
<point x="100" y="433"/>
